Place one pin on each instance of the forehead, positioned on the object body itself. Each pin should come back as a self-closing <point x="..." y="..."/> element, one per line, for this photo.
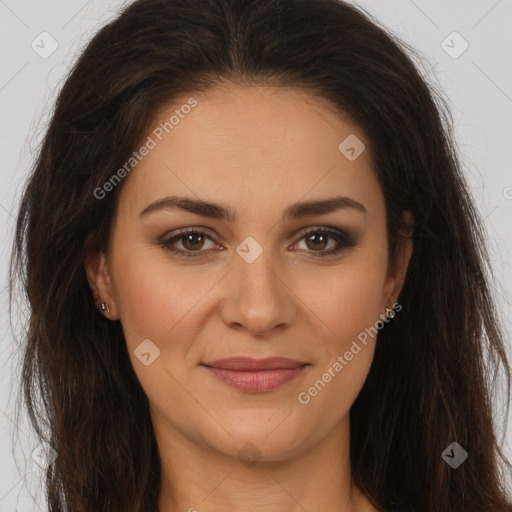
<point x="238" y="144"/>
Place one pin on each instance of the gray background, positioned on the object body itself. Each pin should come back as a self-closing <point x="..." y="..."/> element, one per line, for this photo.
<point x="477" y="82"/>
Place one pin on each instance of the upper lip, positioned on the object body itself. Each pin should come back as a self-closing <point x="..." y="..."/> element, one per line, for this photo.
<point x="249" y="364"/>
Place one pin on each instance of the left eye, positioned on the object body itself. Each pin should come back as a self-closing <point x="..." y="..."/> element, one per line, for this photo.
<point x="316" y="240"/>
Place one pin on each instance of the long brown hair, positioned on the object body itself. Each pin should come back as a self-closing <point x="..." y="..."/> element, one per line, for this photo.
<point x="435" y="365"/>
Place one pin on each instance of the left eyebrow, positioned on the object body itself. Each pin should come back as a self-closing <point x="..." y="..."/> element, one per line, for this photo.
<point x="217" y="211"/>
<point x="322" y="207"/>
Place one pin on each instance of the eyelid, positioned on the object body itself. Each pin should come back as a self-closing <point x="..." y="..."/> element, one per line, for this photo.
<point x="324" y="228"/>
<point x="339" y="235"/>
<point x="194" y="229"/>
<point x="301" y="232"/>
<point x="344" y="240"/>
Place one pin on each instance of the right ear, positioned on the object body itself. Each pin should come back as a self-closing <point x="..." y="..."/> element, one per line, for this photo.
<point x="98" y="276"/>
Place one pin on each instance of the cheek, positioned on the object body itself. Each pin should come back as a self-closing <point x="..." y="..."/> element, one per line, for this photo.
<point x="347" y="299"/>
<point x="155" y="305"/>
<point x="347" y="349"/>
<point x="358" y="302"/>
<point x="165" y="305"/>
<point x="348" y="304"/>
<point x="154" y="298"/>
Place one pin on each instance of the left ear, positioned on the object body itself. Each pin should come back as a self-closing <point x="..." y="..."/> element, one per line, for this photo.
<point x="397" y="269"/>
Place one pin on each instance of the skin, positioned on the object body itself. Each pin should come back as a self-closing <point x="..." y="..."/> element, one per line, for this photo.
<point x="255" y="150"/>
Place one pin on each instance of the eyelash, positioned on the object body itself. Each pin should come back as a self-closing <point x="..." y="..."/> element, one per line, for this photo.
<point x="343" y="239"/>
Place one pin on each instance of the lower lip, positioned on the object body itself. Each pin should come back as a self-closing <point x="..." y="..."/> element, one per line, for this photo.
<point x="256" y="381"/>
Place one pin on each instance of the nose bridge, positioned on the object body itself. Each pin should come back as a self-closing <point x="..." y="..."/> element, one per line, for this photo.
<point x="259" y="300"/>
<point x="258" y="274"/>
<point x="255" y="270"/>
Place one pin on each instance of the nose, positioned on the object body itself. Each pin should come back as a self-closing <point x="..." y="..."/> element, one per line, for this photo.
<point x="258" y="297"/>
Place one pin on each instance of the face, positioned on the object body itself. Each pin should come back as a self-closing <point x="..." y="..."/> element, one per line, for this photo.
<point x="264" y="273"/>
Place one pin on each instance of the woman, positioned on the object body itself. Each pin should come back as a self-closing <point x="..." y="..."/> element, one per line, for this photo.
<point x="256" y="277"/>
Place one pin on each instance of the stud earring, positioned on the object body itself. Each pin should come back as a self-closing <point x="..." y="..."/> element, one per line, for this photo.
<point x="104" y="307"/>
<point x="390" y="312"/>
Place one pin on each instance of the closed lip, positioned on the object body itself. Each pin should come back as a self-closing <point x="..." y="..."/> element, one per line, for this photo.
<point x="254" y="365"/>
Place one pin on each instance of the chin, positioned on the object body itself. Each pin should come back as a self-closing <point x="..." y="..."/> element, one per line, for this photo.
<point x="251" y="441"/>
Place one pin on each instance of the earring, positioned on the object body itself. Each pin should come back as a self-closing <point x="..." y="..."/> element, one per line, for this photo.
<point x="104" y="307"/>
<point x="390" y="312"/>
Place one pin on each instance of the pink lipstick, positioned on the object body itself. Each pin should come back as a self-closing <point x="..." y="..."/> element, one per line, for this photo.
<point x="256" y="375"/>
